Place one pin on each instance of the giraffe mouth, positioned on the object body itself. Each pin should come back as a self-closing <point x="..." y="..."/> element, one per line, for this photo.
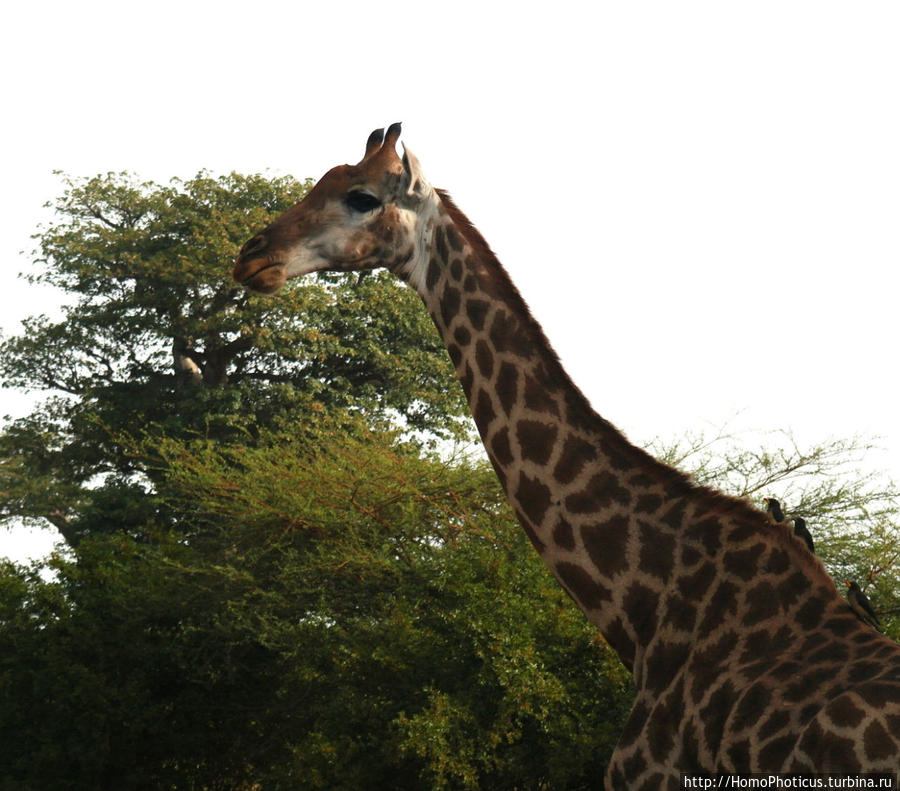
<point x="260" y="275"/>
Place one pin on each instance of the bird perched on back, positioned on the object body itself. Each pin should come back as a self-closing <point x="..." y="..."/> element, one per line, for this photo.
<point x="773" y="507"/>
<point x="861" y="605"/>
<point x="801" y="531"/>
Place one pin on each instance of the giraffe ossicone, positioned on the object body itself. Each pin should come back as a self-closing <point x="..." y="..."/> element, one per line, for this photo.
<point x="745" y="656"/>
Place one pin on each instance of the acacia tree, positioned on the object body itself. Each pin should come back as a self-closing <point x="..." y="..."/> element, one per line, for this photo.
<point x="157" y="335"/>
<point x="349" y="613"/>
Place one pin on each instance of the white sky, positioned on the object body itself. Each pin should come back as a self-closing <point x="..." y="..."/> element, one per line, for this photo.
<point x="700" y="200"/>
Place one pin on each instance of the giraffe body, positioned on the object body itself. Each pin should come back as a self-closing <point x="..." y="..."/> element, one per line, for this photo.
<point x="745" y="657"/>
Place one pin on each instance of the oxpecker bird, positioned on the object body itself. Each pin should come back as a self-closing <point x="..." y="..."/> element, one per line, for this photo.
<point x="801" y="532"/>
<point x="860" y="604"/>
<point x="774" y="508"/>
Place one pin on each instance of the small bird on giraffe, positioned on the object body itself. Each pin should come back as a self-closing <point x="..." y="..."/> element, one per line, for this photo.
<point x="799" y="523"/>
<point x="773" y="507"/>
<point x="801" y="531"/>
<point x="861" y="605"/>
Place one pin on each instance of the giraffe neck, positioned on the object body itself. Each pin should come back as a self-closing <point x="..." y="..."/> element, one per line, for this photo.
<point x="570" y="476"/>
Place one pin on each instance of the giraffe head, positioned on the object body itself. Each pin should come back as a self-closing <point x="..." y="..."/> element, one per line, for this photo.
<point x="356" y="217"/>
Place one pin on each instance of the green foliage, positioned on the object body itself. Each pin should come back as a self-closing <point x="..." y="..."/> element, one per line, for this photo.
<point x="348" y="614"/>
<point x="399" y="562"/>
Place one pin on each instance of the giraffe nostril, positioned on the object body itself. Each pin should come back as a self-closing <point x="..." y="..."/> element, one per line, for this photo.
<point x="255" y="245"/>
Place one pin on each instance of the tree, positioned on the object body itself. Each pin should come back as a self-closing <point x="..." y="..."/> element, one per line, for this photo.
<point x="158" y="335"/>
<point x="332" y="623"/>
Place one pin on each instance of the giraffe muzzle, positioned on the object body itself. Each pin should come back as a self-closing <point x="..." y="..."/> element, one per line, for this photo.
<point x="259" y="274"/>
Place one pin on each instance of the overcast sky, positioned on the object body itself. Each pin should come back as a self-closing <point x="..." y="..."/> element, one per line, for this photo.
<point x="700" y="200"/>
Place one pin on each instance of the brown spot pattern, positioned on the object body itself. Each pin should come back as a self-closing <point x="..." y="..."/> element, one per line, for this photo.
<point x="484" y="358"/>
<point x="601" y="491"/>
<point x="605" y="544"/>
<point x="533" y="497"/>
<point x="642" y="603"/>
<point x="657" y="554"/>
<point x="536" y="440"/>
<point x="743" y="563"/>
<point x="507" y="386"/>
<point x="500" y="447"/>
<point x="462" y="336"/>
<point x="583" y="588"/>
<point x="456" y="270"/>
<point x="563" y="535"/>
<point x="466" y="379"/>
<point x="433" y="273"/>
<point x="440" y="242"/>
<point x="762" y="603"/>
<point x="576" y="452"/>
<point x="476" y="311"/>
<point x="450" y="304"/>
<point x="454" y="239"/>
<point x="484" y="410"/>
<point x="538" y="398"/>
<point x="455" y="354"/>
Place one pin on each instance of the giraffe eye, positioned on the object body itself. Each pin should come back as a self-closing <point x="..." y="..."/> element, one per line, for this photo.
<point x="360" y="201"/>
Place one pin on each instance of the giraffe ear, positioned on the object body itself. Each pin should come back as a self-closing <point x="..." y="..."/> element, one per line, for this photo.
<point x="413" y="180"/>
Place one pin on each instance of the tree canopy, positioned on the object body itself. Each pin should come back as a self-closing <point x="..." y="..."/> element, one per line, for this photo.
<point x="332" y="623"/>
<point x="158" y="336"/>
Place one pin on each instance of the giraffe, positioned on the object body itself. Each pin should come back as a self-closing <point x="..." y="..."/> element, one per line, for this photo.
<point x="745" y="657"/>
